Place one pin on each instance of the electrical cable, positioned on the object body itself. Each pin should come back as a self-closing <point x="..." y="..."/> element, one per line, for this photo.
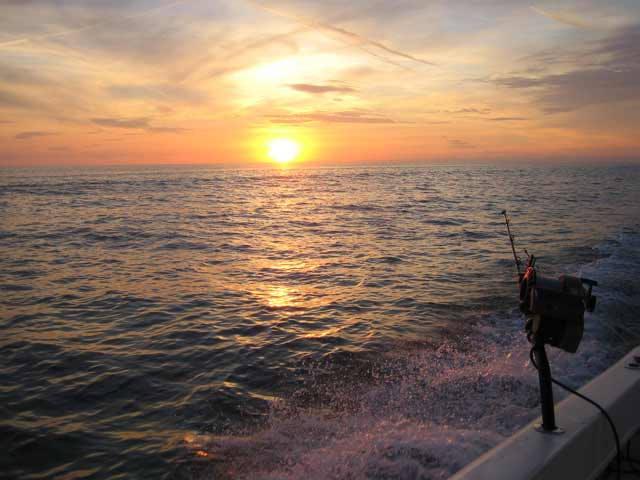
<point x="633" y="463"/>
<point x="606" y="415"/>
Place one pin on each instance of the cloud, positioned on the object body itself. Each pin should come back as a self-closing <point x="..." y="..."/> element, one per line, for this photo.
<point x="355" y="39"/>
<point x="160" y="75"/>
<point x="563" y="18"/>
<point x="40" y="90"/>
<point x="217" y="64"/>
<point x="74" y="36"/>
<point x="140" y="123"/>
<point x="90" y="26"/>
<point x="23" y="40"/>
<point x="320" y="89"/>
<point x="17" y="75"/>
<point x="456" y="143"/>
<point x="578" y="89"/>
<point x="465" y="110"/>
<point x="479" y="111"/>
<point x="33" y="134"/>
<point x="136" y="123"/>
<point x="610" y="74"/>
<point x="165" y="92"/>
<point x="348" y="116"/>
<point x="168" y="129"/>
<point x="506" y="119"/>
<point x="621" y="48"/>
<point x="13" y="100"/>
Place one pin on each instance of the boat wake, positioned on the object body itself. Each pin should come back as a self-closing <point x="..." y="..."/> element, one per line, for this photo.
<point x="421" y="411"/>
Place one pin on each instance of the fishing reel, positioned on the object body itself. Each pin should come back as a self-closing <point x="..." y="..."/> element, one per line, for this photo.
<point x="555" y="307"/>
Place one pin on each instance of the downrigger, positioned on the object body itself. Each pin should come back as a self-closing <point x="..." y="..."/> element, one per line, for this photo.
<point x="554" y="308"/>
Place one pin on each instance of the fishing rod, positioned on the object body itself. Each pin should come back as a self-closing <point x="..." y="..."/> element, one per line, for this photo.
<point x="512" y="242"/>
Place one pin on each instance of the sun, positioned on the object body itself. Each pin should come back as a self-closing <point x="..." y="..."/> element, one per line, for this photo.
<point x="283" y="150"/>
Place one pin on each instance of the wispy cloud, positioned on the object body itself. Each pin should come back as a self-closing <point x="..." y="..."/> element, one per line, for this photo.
<point x="140" y="123"/>
<point x="478" y="111"/>
<point x="33" y="134"/>
<point x="232" y="59"/>
<point x="457" y="143"/>
<point x="12" y="100"/>
<point x="169" y="129"/>
<point x="506" y="119"/>
<point x="330" y="117"/>
<point x="465" y="111"/>
<point x="167" y="91"/>
<point x="69" y="31"/>
<point x="136" y="123"/>
<point x="61" y="33"/>
<point x="581" y="88"/>
<point x="564" y="18"/>
<point x="610" y="75"/>
<point x="354" y="38"/>
<point x="319" y="89"/>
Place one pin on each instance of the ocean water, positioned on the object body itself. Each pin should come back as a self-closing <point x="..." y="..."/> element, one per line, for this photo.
<point x="192" y="322"/>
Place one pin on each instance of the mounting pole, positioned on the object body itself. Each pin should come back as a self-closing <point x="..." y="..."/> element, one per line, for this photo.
<point x="546" y="390"/>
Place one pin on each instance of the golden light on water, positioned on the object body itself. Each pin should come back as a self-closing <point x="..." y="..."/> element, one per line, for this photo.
<point x="286" y="298"/>
<point x="325" y="333"/>
<point x="283" y="150"/>
<point x="281" y="297"/>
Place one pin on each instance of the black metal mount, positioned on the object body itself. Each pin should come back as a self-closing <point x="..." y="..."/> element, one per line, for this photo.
<point x="546" y="388"/>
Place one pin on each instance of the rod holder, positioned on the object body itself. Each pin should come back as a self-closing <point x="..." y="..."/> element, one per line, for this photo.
<point x="546" y="389"/>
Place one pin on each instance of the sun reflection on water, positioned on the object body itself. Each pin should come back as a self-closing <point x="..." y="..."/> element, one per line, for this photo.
<point x="279" y="297"/>
<point x="325" y="333"/>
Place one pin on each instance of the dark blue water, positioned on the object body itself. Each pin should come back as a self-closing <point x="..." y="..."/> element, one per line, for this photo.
<point x="183" y="322"/>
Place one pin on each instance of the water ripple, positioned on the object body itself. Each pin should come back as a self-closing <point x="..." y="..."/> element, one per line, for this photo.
<point x="287" y="323"/>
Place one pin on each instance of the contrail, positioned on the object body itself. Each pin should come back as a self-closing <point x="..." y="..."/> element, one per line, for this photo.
<point x="558" y="17"/>
<point x="201" y="63"/>
<point x="151" y="11"/>
<point x="341" y="31"/>
<point x="61" y="33"/>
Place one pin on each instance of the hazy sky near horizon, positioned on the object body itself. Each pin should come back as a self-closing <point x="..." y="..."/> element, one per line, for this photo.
<point x="115" y="81"/>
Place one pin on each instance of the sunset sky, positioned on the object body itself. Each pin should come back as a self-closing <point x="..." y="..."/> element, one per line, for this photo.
<point x="196" y="81"/>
